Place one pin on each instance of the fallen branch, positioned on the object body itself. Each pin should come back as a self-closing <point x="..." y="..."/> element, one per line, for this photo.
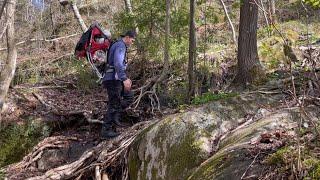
<point x="44" y="39"/>
<point x="251" y="164"/>
<point x="39" y="87"/>
<point x="84" y="113"/>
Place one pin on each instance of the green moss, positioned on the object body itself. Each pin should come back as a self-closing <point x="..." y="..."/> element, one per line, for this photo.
<point x="17" y="140"/>
<point x="183" y="156"/>
<point x="134" y="163"/>
<point x="212" y="168"/>
<point x="226" y="164"/>
<point x="313" y="167"/>
<point x="207" y="97"/>
<point x="154" y="173"/>
<point x="2" y="174"/>
<point x="242" y="134"/>
<point x="315" y="172"/>
<point x="279" y="157"/>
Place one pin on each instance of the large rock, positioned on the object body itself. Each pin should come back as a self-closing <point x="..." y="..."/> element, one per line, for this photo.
<point x="208" y="142"/>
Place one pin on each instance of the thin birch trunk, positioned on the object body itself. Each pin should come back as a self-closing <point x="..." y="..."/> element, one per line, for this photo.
<point x="230" y="22"/>
<point x="264" y="13"/>
<point x="8" y="66"/>
<point x="2" y="7"/>
<point x="78" y="16"/>
<point x="128" y="6"/>
<point x="272" y="11"/>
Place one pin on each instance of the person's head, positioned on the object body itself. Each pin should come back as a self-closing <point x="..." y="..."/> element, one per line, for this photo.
<point x="129" y="37"/>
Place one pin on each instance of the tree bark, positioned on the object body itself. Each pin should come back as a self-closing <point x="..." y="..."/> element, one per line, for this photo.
<point x="128" y="6"/>
<point x="230" y="22"/>
<point x="249" y="68"/>
<point x="9" y="65"/>
<point x="2" y="7"/>
<point x="76" y="12"/>
<point x="167" y="34"/>
<point x="192" y="50"/>
<point x="264" y="13"/>
<point x="78" y="16"/>
<point x="272" y="11"/>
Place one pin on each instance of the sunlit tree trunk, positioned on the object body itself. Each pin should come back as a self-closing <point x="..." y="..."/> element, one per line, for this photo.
<point x="249" y="68"/>
<point x="272" y="11"/>
<point x="8" y="66"/>
<point x="2" y="7"/>
<point x="230" y="22"/>
<point x="192" y="51"/>
<point x="76" y="13"/>
<point x="128" y="6"/>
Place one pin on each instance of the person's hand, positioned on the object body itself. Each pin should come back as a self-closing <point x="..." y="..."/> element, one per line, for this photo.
<point x="127" y="85"/>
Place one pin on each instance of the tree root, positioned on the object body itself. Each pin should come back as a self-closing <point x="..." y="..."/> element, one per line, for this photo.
<point x="100" y="161"/>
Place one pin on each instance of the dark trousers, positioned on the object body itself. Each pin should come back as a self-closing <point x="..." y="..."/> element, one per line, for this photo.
<point x="118" y="100"/>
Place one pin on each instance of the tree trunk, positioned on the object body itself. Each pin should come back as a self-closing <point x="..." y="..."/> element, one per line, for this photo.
<point x="2" y="7"/>
<point x="128" y="6"/>
<point x="192" y="50"/>
<point x="166" y="48"/>
<point x="264" y="13"/>
<point x="75" y="11"/>
<point x="272" y="11"/>
<point x="78" y="16"/>
<point x="249" y="68"/>
<point x="230" y="22"/>
<point x="9" y="65"/>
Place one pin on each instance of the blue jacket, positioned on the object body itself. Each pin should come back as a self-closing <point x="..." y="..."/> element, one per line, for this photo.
<point x="117" y="59"/>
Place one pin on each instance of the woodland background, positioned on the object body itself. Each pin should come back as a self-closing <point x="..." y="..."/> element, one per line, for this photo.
<point x="187" y="53"/>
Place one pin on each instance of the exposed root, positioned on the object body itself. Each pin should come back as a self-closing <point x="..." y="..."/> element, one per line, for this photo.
<point x="98" y="162"/>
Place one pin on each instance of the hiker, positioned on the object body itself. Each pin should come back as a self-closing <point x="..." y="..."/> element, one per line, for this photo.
<point x="118" y="85"/>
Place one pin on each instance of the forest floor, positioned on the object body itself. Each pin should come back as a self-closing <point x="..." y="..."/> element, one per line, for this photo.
<point x="60" y="110"/>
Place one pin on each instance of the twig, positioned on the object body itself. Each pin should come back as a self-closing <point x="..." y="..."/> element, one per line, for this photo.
<point x="254" y="160"/>
<point x="38" y="87"/>
<point x="2" y="7"/>
<point x="4" y="30"/>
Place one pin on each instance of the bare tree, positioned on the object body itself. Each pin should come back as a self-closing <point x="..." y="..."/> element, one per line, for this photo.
<point x="249" y="67"/>
<point x="8" y="66"/>
<point x="230" y="22"/>
<point x="192" y="50"/>
<point x="2" y="7"/>
<point x="128" y="6"/>
<point x="264" y="13"/>
<point x="75" y="11"/>
<point x="272" y="11"/>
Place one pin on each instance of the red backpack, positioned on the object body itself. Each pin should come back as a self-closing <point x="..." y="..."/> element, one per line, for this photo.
<point x="93" y="45"/>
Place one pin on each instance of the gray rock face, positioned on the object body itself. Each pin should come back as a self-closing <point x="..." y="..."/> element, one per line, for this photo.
<point x="208" y="142"/>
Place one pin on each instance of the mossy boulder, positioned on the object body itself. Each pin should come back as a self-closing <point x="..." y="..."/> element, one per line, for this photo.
<point x="233" y="157"/>
<point x="184" y="145"/>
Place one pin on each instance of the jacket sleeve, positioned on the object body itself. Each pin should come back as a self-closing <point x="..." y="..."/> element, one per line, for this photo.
<point x="119" y="66"/>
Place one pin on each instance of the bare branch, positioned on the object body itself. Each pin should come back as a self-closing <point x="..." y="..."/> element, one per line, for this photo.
<point x="45" y="40"/>
<point x="2" y="7"/>
<point x="230" y="22"/>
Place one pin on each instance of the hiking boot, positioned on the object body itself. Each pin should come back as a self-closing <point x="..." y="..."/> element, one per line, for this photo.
<point x="116" y="120"/>
<point x="107" y="132"/>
